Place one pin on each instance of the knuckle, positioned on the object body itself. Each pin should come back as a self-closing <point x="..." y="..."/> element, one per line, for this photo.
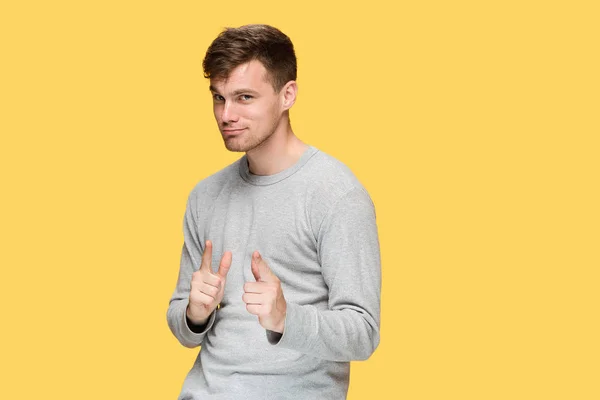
<point x="198" y="275"/>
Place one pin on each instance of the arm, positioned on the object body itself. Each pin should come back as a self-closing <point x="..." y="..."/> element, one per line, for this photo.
<point x="348" y="247"/>
<point x="191" y="255"/>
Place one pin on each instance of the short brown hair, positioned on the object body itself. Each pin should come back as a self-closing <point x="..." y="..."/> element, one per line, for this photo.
<point x="237" y="46"/>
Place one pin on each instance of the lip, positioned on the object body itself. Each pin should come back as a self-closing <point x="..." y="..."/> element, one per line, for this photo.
<point x="232" y="131"/>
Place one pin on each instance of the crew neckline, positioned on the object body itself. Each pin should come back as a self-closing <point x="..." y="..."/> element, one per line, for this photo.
<point x="264" y="180"/>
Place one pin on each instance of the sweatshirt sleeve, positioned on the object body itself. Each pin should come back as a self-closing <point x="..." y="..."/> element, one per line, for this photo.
<point x="348" y="248"/>
<point x="191" y="256"/>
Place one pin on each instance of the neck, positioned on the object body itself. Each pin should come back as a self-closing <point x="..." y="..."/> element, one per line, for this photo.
<point x="279" y="152"/>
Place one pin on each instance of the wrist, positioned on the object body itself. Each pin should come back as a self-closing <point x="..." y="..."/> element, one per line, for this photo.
<point x="280" y="327"/>
<point x="194" y="320"/>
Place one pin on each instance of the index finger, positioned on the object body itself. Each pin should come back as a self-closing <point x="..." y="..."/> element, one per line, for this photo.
<point x="207" y="257"/>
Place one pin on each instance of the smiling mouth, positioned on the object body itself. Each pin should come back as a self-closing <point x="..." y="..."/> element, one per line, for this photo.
<point x="229" y="132"/>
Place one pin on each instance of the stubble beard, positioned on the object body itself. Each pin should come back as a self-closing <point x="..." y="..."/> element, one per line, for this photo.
<point x="245" y="142"/>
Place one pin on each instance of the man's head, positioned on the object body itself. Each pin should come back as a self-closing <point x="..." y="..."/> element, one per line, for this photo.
<point x="252" y="72"/>
<point x="236" y="46"/>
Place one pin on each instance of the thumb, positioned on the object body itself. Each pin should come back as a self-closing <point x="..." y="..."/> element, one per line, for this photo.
<point x="225" y="264"/>
<point x="260" y="269"/>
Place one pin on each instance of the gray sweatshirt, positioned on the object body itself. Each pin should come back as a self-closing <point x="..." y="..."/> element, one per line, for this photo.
<point x="314" y="225"/>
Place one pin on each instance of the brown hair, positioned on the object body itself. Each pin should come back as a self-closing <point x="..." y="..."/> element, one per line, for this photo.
<point x="236" y="46"/>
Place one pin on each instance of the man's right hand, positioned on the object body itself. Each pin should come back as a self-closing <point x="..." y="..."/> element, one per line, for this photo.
<point x="207" y="288"/>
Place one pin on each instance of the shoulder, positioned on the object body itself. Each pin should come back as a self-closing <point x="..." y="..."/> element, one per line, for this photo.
<point x="333" y="179"/>
<point x="333" y="185"/>
<point x="208" y="189"/>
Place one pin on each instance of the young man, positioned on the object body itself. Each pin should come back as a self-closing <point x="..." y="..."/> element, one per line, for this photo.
<point x="280" y="271"/>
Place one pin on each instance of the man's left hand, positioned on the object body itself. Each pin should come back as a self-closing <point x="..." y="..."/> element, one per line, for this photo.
<point x="264" y="298"/>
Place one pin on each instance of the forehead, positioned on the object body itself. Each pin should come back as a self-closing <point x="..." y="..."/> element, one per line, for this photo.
<point x="251" y="75"/>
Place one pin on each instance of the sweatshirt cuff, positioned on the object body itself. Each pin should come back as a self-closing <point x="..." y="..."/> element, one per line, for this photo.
<point x="300" y="329"/>
<point x="191" y="336"/>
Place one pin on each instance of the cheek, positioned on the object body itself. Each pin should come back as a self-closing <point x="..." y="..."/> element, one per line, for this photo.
<point x="216" y="111"/>
<point x="274" y="112"/>
<point x="250" y="113"/>
<point x="260" y="113"/>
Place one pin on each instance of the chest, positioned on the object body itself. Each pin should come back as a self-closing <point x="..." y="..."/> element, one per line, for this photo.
<point x="275" y="223"/>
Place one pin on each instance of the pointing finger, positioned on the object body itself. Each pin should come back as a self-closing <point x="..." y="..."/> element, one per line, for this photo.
<point x="262" y="269"/>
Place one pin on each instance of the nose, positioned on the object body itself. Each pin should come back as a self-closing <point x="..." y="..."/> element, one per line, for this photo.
<point x="229" y="113"/>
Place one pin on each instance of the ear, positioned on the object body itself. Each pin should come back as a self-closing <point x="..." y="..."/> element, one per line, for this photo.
<point x="288" y="94"/>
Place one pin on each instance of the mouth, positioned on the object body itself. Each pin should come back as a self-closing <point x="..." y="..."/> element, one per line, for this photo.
<point x="232" y="132"/>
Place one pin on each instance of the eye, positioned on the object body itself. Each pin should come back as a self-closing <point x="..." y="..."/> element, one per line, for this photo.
<point x="217" y="97"/>
<point x="246" y="97"/>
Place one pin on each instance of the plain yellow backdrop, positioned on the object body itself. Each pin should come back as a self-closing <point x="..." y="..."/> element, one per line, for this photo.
<point x="474" y="125"/>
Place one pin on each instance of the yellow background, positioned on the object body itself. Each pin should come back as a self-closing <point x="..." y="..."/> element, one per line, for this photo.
<point x="474" y="125"/>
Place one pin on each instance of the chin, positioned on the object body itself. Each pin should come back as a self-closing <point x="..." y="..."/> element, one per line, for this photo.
<point x="235" y="149"/>
<point x="238" y="147"/>
<point x="243" y="146"/>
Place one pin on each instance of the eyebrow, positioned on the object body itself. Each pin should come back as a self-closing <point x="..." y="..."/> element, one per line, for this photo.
<point x="235" y="92"/>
